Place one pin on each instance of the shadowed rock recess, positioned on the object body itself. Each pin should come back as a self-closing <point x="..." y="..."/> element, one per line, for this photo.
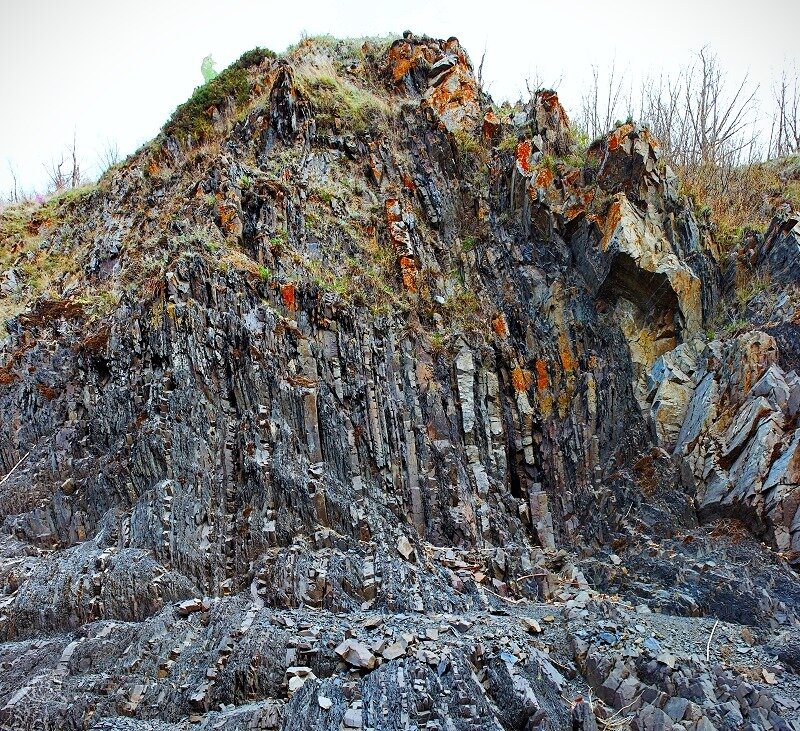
<point x="355" y="401"/>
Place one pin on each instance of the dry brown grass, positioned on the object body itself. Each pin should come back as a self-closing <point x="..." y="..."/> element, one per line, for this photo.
<point x="742" y="197"/>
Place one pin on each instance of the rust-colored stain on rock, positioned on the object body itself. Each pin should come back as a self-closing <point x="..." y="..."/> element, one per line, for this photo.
<point x="408" y="268"/>
<point x="542" y="378"/>
<point x="613" y="217"/>
<point x="523" y="155"/>
<point x="404" y="56"/>
<point x="288" y="296"/>
<point x="544" y="178"/>
<point x="227" y="215"/>
<point x="491" y="125"/>
<point x="616" y="137"/>
<point x="499" y="325"/>
<point x="521" y="379"/>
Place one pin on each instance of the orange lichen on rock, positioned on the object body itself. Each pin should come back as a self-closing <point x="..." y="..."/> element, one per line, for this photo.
<point x="542" y="378"/>
<point x="401" y="240"/>
<point x="288" y="296"/>
<point x="616" y="137"/>
<point x="544" y="178"/>
<point x="612" y="219"/>
<point x="393" y="211"/>
<point x="408" y="269"/>
<point x="491" y="125"/>
<point x="6" y="377"/>
<point x="499" y="325"/>
<point x="375" y="165"/>
<point x="227" y="217"/>
<point x="403" y="56"/>
<point x="521" y="379"/>
<point x="46" y="391"/>
<point x="454" y="96"/>
<point x="523" y="155"/>
<point x="552" y="105"/>
<point x="573" y="211"/>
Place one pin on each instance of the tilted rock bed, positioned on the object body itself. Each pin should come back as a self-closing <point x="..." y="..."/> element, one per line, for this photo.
<point x="363" y="403"/>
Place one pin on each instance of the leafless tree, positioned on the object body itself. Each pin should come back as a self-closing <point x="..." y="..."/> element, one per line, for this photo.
<point x="717" y="120"/>
<point x="55" y="173"/>
<point x="75" y="176"/>
<point x="61" y="179"/>
<point x="533" y="84"/>
<point x="108" y="156"/>
<point x="699" y="119"/>
<point x="14" y="194"/>
<point x="661" y="108"/>
<point x="784" y="137"/>
<point x="600" y="102"/>
<point x="479" y="75"/>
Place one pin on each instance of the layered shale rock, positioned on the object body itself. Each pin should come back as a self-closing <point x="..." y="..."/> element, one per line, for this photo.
<point x="351" y="385"/>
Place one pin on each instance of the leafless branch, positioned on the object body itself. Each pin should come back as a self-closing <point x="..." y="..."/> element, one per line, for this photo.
<point x="108" y="156"/>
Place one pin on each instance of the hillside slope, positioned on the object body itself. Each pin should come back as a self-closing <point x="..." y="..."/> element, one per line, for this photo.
<point x="356" y="401"/>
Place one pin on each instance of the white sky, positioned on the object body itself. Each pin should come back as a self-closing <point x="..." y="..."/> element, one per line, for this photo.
<point x="115" y="69"/>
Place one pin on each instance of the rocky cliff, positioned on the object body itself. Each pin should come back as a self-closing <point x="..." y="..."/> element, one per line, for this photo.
<point x="354" y="400"/>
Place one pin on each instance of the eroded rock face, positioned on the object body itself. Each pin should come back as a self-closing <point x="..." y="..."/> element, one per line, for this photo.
<point x="441" y="73"/>
<point x="369" y="380"/>
<point x="779" y="251"/>
<point x="739" y="439"/>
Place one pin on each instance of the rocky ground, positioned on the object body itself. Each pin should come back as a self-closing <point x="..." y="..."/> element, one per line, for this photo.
<point x="356" y="401"/>
<point x="585" y="658"/>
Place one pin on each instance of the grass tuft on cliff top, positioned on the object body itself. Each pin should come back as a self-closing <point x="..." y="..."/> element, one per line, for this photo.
<point x="193" y="117"/>
<point x="333" y="97"/>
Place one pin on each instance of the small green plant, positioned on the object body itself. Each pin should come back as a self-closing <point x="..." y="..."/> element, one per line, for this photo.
<point x="349" y="48"/>
<point x="198" y="237"/>
<point x="99" y="304"/>
<point x="736" y="325"/>
<point x="470" y="150"/>
<point x="508" y="142"/>
<point x="468" y="243"/>
<point x="253" y="57"/>
<point x="67" y="197"/>
<point x="748" y="286"/>
<point x="264" y="273"/>
<point x="326" y="195"/>
<point x="581" y="138"/>
<point x="244" y="182"/>
<point x="277" y="243"/>
<point x="576" y="159"/>
<point x="437" y="342"/>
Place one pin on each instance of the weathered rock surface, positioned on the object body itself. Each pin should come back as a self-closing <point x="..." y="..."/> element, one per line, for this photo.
<point x="344" y="405"/>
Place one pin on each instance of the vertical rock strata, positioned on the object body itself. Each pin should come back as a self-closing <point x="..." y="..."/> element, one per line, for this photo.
<point x="386" y="369"/>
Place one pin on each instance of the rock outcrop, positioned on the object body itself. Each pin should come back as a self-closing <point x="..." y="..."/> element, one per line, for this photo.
<point x="351" y="387"/>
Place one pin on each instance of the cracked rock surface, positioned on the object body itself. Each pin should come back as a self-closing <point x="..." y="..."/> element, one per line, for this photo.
<point x="358" y="402"/>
